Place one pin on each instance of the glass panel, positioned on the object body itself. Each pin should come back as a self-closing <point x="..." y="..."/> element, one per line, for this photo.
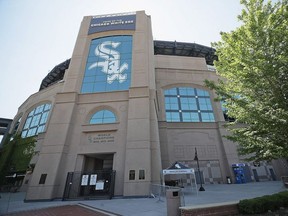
<point x="202" y="92"/>
<point x="171" y="103"/>
<point x="35" y="120"/>
<point x="103" y="116"/>
<point x="31" y="113"/>
<point x="31" y="132"/>
<point x="141" y="174"/>
<point x="39" y="109"/>
<point x="175" y="116"/>
<point x="132" y="175"/>
<point x="47" y="107"/>
<point x="89" y="79"/>
<point x="190" y="117"/>
<point x="27" y="123"/>
<point x="87" y="88"/>
<point x="188" y="103"/>
<point x="41" y="129"/>
<point x="186" y="91"/>
<point x="44" y="118"/>
<point x="35" y="123"/>
<point x="205" y="104"/>
<point x="24" y="133"/>
<point x="172" y="91"/>
<point x="207" y="117"/>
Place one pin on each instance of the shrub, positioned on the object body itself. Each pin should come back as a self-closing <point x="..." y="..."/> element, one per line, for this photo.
<point x="263" y="204"/>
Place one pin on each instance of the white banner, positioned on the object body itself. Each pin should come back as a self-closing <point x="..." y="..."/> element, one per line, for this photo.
<point x="178" y="171"/>
<point x="84" y="180"/>
<point x="93" y="179"/>
<point x="100" y="185"/>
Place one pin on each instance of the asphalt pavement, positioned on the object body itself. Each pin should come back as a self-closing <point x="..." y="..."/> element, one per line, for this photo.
<point x="155" y="205"/>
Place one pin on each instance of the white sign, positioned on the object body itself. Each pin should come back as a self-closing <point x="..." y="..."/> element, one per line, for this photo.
<point x="178" y="171"/>
<point x="100" y="185"/>
<point x="84" y="180"/>
<point x="93" y="179"/>
<point x="111" y="64"/>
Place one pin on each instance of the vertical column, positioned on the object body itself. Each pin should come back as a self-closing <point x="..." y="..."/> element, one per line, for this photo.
<point x="45" y="183"/>
<point x="142" y="159"/>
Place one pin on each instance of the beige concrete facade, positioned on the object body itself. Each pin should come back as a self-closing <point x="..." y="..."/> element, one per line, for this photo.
<point x="140" y="139"/>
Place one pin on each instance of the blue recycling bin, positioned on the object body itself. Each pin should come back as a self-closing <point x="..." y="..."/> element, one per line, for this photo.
<point x="239" y="172"/>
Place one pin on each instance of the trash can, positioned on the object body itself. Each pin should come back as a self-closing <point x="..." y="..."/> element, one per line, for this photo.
<point x="173" y="202"/>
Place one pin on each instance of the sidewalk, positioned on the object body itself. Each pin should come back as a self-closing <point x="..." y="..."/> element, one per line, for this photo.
<point x="222" y="193"/>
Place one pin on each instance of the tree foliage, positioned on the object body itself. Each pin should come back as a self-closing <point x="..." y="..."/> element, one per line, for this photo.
<point x="16" y="155"/>
<point x="253" y="66"/>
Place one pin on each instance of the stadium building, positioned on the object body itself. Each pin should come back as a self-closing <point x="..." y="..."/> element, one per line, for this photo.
<point x="121" y="110"/>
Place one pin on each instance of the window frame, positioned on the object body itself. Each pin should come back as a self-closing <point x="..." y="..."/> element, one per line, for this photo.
<point x="193" y="101"/>
<point x="102" y="120"/>
<point x="36" y="120"/>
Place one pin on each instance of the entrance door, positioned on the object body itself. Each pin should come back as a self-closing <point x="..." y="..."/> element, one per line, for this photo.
<point x="98" y="184"/>
<point x="96" y="181"/>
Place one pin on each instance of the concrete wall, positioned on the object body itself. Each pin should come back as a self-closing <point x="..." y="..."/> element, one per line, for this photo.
<point x="179" y="140"/>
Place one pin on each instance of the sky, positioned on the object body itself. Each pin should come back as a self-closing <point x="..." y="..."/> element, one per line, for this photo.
<point x="37" y="35"/>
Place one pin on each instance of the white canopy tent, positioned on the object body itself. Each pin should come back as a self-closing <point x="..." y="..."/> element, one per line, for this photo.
<point x="179" y="169"/>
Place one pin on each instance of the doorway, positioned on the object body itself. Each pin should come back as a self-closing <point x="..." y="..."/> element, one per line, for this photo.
<point x="96" y="181"/>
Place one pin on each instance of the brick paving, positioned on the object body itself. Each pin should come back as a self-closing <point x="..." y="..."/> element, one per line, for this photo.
<point x="68" y="210"/>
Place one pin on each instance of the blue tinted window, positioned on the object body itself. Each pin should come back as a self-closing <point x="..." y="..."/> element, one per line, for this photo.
<point x="205" y="104"/>
<point x="108" y="66"/>
<point x="171" y="103"/>
<point x="102" y="117"/>
<point x="187" y="104"/>
<point x="186" y="91"/>
<point x="207" y="117"/>
<point x="172" y="117"/>
<point x="171" y="91"/>
<point x="190" y="117"/>
<point x="202" y="92"/>
<point x="36" y="121"/>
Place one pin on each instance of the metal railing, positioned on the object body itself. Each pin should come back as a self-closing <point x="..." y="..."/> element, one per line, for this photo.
<point x="158" y="192"/>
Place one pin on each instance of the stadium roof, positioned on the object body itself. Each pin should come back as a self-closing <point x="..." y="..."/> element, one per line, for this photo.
<point x="185" y="49"/>
<point x="55" y="75"/>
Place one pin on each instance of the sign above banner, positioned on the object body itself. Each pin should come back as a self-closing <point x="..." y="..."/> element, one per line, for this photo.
<point x="123" y="21"/>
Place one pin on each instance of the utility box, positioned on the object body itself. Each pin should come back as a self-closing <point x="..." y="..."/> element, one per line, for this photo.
<point x="173" y="202"/>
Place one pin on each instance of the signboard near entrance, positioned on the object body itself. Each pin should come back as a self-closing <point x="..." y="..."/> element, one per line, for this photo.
<point x="93" y="179"/>
<point x="84" y="180"/>
<point x="100" y="185"/>
<point x="101" y="138"/>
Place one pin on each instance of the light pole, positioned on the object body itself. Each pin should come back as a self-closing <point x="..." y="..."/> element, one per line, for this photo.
<point x="200" y="176"/>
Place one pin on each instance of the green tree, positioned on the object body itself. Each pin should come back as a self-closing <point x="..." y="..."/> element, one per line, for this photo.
<point x="16" y="154"/>
<point x="253" y="68"/>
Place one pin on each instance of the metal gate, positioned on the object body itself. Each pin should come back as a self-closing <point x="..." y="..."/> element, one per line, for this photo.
<point x="98" y="184"/>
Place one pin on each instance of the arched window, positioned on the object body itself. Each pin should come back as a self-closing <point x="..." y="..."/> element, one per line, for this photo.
<point x="103" y="117"/>
<point x="186" y="104"/>
<point x="36" y="121"/>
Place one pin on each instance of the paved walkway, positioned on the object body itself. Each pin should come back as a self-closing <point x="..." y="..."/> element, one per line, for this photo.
<point x="12" y="203"/>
